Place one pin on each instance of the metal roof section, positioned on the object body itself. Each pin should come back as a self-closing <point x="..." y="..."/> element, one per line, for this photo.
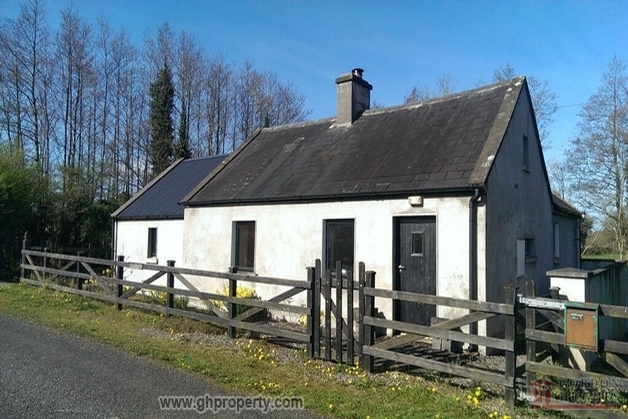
<point x="433" y="146"/>
<point x="160" y="198"/>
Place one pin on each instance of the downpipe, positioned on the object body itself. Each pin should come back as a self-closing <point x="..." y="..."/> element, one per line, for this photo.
<point x="473" y="255"/>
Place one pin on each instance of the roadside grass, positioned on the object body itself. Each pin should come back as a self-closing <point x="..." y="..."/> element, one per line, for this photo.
<point x="253" y="367"/>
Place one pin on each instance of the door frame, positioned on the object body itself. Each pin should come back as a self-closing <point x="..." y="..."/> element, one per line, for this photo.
<point x="395" y="254"/>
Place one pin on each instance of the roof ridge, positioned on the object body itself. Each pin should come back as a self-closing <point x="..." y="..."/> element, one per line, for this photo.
<point x="330" y="119"/>
<point x="445" y="98"/>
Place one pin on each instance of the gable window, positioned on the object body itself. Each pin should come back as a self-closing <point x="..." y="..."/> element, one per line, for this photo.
<point x="244" y="245"/>
<point x="530" y="250"/>
<point x="339" y="243"/>
<point x="526" y="154"/>
<point x="556" y="242"/>
<point x="152" y="242"/>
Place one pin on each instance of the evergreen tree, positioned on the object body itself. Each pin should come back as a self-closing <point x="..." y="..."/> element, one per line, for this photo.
<point x="161" y="104"/>
<point x="182" y="148"/>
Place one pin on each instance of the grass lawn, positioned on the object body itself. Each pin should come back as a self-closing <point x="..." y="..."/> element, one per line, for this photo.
<point x="253" y="367"/>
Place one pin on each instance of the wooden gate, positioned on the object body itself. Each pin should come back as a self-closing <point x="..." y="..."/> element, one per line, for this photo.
<point x="573" y="334"/>
<point x="334" y="296"/>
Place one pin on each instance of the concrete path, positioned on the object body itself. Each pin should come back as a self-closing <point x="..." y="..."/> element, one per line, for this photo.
<point x="50" y="374"/>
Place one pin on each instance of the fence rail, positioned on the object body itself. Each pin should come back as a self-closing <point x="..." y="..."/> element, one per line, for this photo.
<point x="480" y="311"/>
<point x="111" y="288"/>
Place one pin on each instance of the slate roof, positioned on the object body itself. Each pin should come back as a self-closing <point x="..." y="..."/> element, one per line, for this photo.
<point x="563" y="206"/>
<point x="444" y="144"/>
<point x="160" y="198"/>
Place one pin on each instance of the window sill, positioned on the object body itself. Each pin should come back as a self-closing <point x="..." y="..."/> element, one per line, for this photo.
<point x="250" y="271"/>
<point x="526" y="169"/>
<point x="530" y="260"/>
<point x="152" y="261"/>
<point x="556" y="260"/>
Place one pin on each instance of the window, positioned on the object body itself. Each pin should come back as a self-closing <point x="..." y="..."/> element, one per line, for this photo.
<point x="152" y="243"/>
<point x="526" y="154"/>
<point x="417" y="243"/>
<point x="244" y="245"/>
<point x="339" y="242"/>
<point x="530" y="251"/>
<point x="556" y="240"/>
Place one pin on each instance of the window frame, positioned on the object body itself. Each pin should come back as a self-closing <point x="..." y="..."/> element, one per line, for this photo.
<point x="236" y="246"/>
<point x="328" y="261"/>
<point x="151" y="251"/>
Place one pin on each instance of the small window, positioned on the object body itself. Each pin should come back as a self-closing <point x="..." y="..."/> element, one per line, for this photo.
<point x="526" y="154"/>
<point x="244" y="245"/>
<point x="556" y="240"/>
<point x="530" y="251"/>
<point x="339" y="242"/>
<point x="152" y="242"/>
<point x="417" y="244"/>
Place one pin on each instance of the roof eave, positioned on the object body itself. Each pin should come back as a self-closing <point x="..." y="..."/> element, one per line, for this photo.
<point x="460" y="191"/>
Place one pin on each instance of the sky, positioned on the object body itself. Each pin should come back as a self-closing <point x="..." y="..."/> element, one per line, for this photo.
<point x="399" y="44"/>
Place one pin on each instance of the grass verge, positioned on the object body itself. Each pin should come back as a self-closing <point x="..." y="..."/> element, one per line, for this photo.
<point x="252" y="367"/>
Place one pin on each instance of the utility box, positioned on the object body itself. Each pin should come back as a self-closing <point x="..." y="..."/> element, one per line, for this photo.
<point x="581" y="325"/>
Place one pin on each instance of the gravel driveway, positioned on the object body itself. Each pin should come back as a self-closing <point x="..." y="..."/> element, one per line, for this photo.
<point x="50" y="374"/>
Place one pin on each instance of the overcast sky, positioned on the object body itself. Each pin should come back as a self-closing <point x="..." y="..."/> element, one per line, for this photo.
<point x="398" y="43"/>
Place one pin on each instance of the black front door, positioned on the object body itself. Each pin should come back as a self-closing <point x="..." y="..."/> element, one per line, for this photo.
<point x="415" y="266"/>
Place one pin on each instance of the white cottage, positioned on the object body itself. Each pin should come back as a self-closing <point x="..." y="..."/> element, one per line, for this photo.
<point x="448" y="196"/>
<point x="148" y="227"/>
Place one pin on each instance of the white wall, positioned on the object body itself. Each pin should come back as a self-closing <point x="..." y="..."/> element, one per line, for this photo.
<point x="289" y="238"/>
<point x="132" y="243"/>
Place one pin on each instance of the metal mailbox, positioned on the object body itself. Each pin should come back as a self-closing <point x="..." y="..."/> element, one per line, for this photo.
<point x="581" y="325"/>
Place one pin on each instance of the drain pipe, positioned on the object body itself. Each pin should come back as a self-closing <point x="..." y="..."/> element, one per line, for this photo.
<point x="473" y="254"/>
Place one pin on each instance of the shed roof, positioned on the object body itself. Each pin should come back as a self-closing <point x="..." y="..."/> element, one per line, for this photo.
<point x="565" y="207"/>
<point x="443" y="144"/>
<point x="160" y="198"/>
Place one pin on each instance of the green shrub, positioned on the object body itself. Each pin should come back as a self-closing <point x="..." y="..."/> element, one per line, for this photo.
<point x="242" y="292"/>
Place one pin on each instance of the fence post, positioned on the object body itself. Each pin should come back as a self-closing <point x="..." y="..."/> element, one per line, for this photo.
<point x="45" y="262"/>
<point x="170" y="286"/>
<point x="338" y="312"/>
<point x="310" y="320"/>
<point x="369" y="310"/>
<point x="510" y="335"/>
<point x="361" y="307"/>
<point x="25" y="245"/>
<point x="530" y="344"/>
<point x="350" y="340"/>
<point x="120" y="277"/>
<point x="233" y="292"/>
<point x="554" y="293"/>
<point x="327" y="294"/>
<point x="317" y="308"/>
<point x="79" y="281"/>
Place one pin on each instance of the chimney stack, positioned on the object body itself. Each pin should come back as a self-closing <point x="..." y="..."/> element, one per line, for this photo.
<point x="354" y="96"/>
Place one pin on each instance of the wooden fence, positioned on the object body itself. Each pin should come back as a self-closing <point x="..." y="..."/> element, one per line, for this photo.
<point x="478" y="311"/>
<point x="542" y="321"/>
<point x="70" y="273"/>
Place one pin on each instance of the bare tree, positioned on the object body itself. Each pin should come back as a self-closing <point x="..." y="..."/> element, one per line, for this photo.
<point x="445" y="85"/>
<point x="220" y="93"/>
<point x="598" y="156"/>
<point x="543" y="99"/>
<point x="74" y="57"/>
